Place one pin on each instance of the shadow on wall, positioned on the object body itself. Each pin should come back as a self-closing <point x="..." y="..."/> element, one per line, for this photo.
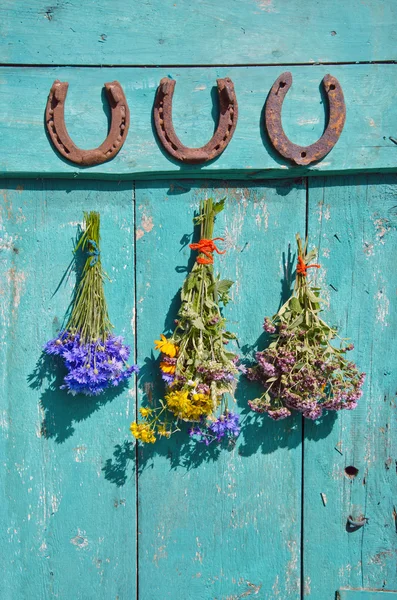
<point x="60" y="409"/>
<point x="259" y="433"/>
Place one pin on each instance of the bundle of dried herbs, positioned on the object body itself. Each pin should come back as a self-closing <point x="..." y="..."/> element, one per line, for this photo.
<point x="301" y="369"/>
<point x="198" y="370"/>
<point x="94" y="358"/>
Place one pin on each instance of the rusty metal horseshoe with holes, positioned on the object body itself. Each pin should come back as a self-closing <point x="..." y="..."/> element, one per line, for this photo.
<point x="55" y="123"/>
<point x="304" y="155"/>
<point x="162" y="114"/>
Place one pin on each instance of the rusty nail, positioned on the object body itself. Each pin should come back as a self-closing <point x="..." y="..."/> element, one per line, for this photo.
<point x="356" y="523"/>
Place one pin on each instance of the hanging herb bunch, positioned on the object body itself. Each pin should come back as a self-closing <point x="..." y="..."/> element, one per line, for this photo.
<point x="300" y="369"/>
<point x="94" y="358"/>
<point x="198" y="370"/>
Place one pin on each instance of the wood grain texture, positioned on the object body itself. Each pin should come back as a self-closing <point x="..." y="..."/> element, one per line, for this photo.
<point x="366" y="595"/>
<point x="165" y="32"/>
<point x="67" y="519"/>
<point x="218" y="524"/>
<point x="353" y="221"/>
<point x="364" y="145"/>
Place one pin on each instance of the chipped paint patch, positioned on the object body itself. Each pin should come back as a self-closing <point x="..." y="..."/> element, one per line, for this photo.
<point x="79" y="453"/>
<point x="267" y="6"/>
<point x="80" y="540"/>
<point x="6" y="242"/>
<point x="307" y="587"/>
<point x="312" y="121"/>
<point x="147" y="223"/>
<point x="16" y="281"/>
<point x="292" y="581"/>
<point x="383" y="305"/>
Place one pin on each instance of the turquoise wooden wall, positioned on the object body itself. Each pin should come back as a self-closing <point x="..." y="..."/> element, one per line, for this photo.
<point x="84" y="512"/>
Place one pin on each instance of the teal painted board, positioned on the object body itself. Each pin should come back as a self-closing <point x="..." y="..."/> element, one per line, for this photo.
<point x="366" y="595"/>
<point x="218" y="524"/>
<point x="363" y="146"/>
<point x="353" y="221"/>
<point x="67" y="491"/>
<point x="207" y="33"/>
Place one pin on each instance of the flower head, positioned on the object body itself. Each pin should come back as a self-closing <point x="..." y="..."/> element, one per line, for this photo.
<point x="165" y="346"/>
<point x="143" y="432"/>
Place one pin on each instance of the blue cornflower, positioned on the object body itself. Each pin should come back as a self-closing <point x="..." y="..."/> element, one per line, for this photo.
<point x="226" y="425"/>
<point x="91" y="367"/>
<point x="167" y="377"/>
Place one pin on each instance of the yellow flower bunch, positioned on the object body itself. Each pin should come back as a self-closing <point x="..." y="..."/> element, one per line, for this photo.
<point x="166" y="347"/>
<point x="189" y="408"/>
<point x="143" y="432"/>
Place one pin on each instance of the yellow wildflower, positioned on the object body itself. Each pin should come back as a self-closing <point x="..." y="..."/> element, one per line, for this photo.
<point x="166" y="347"/>
<point x="190" y="409"/>
<point x="166" y="368"/>
<point x="143" y="432"/>
<point x="145" y="412"/>
<point x="162" y="430"/>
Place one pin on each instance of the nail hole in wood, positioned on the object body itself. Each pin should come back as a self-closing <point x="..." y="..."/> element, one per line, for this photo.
<point x="351" y="472"/>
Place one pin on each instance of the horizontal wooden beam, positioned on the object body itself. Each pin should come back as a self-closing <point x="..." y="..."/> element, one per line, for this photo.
<point x="182" y="32"/>
<point x="368" y="141"/>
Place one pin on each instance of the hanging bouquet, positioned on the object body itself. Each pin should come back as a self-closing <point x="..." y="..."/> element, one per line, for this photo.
<point x="198" y="371"/>
<point x="94" y="358"/>
<point x="301" y="370"/>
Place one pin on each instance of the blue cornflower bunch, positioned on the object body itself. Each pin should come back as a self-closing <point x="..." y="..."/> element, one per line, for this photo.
<point x="94" y="358"/>
<point x="226" y="426"/>
<point x="92" y="367"/>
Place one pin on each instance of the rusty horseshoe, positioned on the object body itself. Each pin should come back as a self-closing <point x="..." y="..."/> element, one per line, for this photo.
<point x="162" y="114"/>
<point x="55" y="123"/>
<point x="304" y="155"/>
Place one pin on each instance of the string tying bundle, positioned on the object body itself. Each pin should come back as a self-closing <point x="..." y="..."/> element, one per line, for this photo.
<point x="207" y="247"/>
<point x="302" y="267"/>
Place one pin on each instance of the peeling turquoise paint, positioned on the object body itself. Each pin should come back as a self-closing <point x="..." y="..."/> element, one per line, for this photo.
<point x="85" y="514"/>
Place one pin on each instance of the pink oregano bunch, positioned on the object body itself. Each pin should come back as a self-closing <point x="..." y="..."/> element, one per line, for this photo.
<point x="300" y="369"/>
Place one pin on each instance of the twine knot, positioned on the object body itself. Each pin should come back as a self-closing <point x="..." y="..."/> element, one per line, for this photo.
<point x="207" y="247"/>
<point x="302" y="268"/>
<point x="95" y="253"/>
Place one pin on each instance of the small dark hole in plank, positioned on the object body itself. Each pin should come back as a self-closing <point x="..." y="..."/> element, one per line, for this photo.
<point x="351" y="472"/>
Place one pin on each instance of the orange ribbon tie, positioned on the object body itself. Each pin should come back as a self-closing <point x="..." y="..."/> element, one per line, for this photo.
<point x="207" y="247"/>
<point x="302" y="268"/>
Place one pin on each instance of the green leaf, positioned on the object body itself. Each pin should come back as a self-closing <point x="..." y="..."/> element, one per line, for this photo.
<point x="219" y="206"/>
<point x="224" y="285"/>
<point x="271" y="379"/>
<point x="198" y="323"/>
<point x="298" y="321"/>
<point x="311" y="255"/>
<point x="295" y="305"/>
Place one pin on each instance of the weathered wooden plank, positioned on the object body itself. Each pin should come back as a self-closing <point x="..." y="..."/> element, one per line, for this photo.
<point x="218" y="525"/>
<point x="366" y="595"/>
<point x="67" y="519"/>
<point x="364" y="144"/>
<point x="353" y="220"/>
<point x="208" y="33"/>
